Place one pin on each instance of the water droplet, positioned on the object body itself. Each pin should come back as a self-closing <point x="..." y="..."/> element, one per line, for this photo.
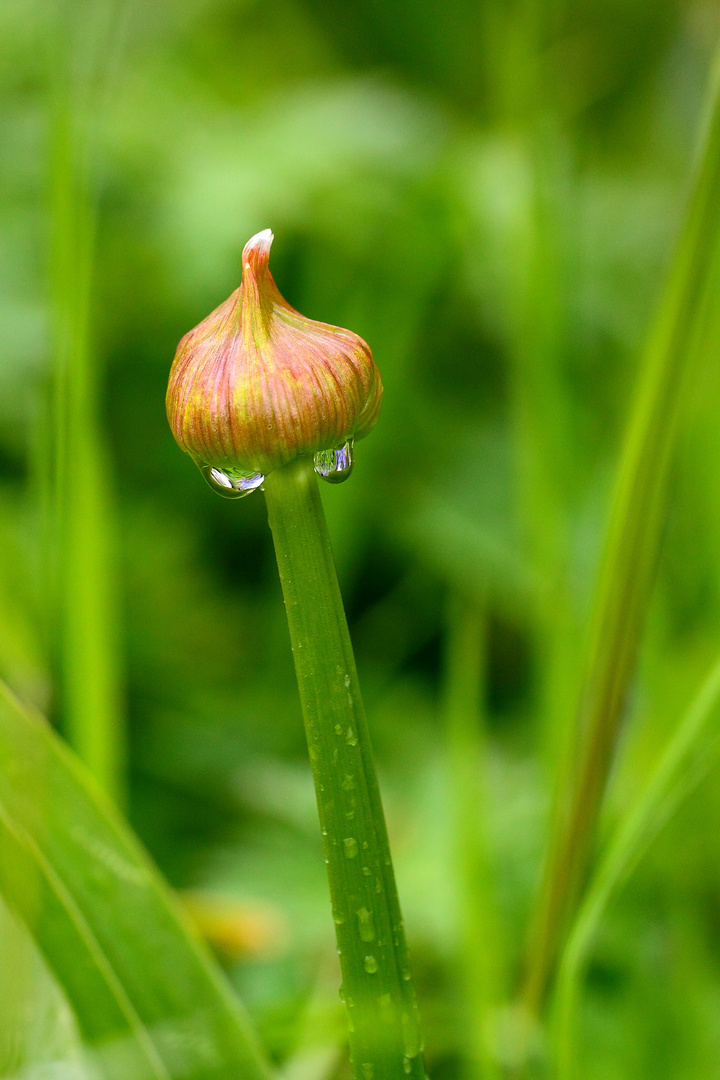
<point x="334" y="465"/>
<point x="350" y="846"/>
<point x="368" y="1070"/>
<point x="411" y="1035"/>
<point x="338" y="729"/>
<point x="338" y="918"/>
<point x="351" y="738"/>
<point x="348" y="783"/>
<point x="341" y="992"/>
<point x="350" y="815"/>
<point x="347" y="681"/>
<point x="366" y="924"/>
<point x="367" y="871"/>
<point x="370" y="964"/>
<point x="406" y="975"/>
<point x="407" y="1065"/>
<point x="384" y="1001"/>
<point x="231" y="484"/>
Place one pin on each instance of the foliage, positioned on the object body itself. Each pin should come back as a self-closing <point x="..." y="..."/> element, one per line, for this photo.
<point x="490" y="194"/>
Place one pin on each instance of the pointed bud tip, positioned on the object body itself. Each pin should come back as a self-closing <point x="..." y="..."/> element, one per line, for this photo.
<point x="258" y="247"/>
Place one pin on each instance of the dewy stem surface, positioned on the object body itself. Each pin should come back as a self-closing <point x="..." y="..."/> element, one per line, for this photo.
<point x="382" y="1016"/>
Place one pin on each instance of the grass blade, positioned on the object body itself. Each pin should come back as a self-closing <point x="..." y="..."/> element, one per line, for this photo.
<point x="80" y="537"/>
<point x="480" y="959"/>
<point x="148" y="1001"/>
<point x="628" y="564"/>
<point x="688" y="757"/>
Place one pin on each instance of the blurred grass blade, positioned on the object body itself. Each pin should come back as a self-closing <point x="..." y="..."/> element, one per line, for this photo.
<point x="80" y="530"/>
<point x="628" y="564"/>
<point x="38" y="1031"/>
<point x="322" y="1034"/>
<point x="480" y="952"/>
<point x="689" y="755"/>
<point x="148" y="1002"/>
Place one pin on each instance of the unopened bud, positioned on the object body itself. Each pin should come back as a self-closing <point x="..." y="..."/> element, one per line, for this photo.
<point x="256" y="384"/>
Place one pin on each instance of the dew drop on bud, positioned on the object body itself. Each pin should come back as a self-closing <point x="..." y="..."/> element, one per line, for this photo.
<point x="230" y="484"/>
<point x="334" y="465"/>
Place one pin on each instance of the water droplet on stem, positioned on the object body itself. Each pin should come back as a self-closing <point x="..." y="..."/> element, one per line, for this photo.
<point x="366" y="924"/>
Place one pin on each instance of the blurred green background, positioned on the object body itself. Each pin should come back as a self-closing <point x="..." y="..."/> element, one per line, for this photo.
<point x="488" y="193"/>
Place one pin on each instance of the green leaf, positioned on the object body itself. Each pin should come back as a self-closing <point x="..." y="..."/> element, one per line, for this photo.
<point x="149" y="1002"/>
<point x="39" y="1036"/>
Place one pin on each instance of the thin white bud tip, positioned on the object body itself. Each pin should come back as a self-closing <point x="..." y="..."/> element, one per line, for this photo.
<point x="261" y="243"/>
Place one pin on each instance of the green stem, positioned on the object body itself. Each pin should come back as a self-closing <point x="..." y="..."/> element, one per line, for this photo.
<point x="382" y="1018"/>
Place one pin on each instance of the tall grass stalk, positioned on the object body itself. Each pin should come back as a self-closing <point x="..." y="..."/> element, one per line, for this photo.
<point x="628" y="564"/>
<point x="382" y="1017"/>
<point x="692" y="750"/>
<point x="81" y="560"/>
<point x="480" y="955"/>
<point x="542" y="418"/>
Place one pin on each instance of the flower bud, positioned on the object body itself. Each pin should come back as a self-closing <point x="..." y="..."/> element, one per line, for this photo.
<point x="256" y="385"/>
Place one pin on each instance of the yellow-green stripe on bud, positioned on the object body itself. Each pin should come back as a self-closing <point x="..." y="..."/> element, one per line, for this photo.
<point x="256" y="384"/>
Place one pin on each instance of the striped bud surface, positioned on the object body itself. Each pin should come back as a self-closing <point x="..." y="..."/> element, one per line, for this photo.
<point x="256" y="384"/>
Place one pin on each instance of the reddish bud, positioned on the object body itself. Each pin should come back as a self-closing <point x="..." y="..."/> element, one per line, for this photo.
<point x="256" y="384"/>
